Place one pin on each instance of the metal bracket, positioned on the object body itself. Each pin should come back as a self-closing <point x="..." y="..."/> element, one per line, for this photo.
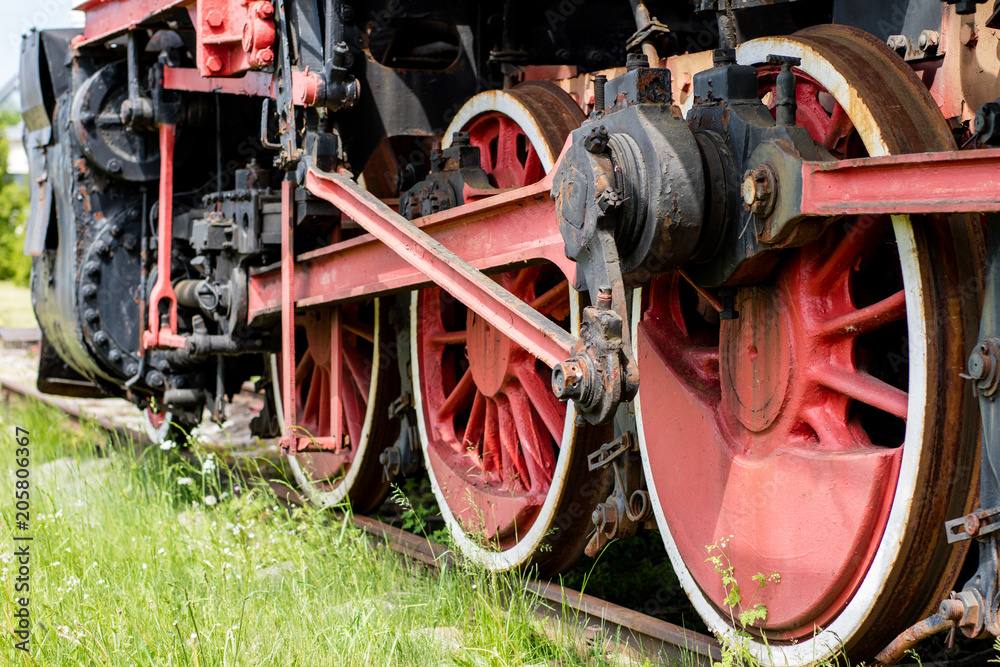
<point x="609" y="452"/>
<point x="973" y="525"/>
<point x="620" y="515"/>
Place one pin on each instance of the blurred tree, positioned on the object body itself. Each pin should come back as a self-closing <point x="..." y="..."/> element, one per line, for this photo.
<point x="14" y="265"/>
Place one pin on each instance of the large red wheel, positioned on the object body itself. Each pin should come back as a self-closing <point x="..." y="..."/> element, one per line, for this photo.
<point x="502" y="451"/>
<point x="368" y="383"/>
<point x="824" y="434"/>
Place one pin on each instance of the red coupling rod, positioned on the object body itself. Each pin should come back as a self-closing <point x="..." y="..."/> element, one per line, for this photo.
<point x="948" y="182"/>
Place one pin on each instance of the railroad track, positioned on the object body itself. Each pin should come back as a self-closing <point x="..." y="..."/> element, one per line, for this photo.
<point x="585" y="619"/>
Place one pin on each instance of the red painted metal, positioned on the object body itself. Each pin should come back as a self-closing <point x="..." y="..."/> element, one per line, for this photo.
<point x="772" y="437"/>
<point x="110" y="18"/>
<point x="163" y="290"/>
<point x="493" y="424"/>
<point x="332" y="378"/>
<point x="288" y="440"/>
<point x="305" y="85"/>
<point x="951" y="182"/>
<point x="505" y="312"/>
<point x="234" y="36"/>
<point x="335" y="405"/>
<point x="498" y="233"/>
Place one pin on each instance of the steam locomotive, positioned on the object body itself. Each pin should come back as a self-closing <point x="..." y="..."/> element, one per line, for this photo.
<point x="714" y="268"/>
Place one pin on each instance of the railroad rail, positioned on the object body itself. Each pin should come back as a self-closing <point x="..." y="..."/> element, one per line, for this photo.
<point x="585" y="619"/>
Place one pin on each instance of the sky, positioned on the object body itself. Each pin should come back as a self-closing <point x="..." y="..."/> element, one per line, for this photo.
<point x="19" y="16"/>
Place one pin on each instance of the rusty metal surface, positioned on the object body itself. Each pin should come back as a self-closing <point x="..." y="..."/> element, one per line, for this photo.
<point x="950" y="612"/>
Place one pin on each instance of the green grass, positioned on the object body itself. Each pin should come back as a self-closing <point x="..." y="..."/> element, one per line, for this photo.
<point x="131" y="566"/>
<point x="15" y="306"/>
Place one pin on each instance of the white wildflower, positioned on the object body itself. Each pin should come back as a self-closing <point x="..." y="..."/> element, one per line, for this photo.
<point x="184" y="481"/>
<point x="209" y="500"/>
<point x="167" y="445"/>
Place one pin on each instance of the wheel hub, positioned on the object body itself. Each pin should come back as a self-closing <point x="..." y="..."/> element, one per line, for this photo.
<point x="490" y="355"/>
<point x="756" y="359"/>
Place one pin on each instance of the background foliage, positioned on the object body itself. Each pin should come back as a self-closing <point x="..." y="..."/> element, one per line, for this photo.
<point x="14" y="265"/>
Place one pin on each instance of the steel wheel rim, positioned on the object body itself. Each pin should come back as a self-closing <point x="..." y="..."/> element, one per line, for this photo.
<point x="316" y="490"/>
<point x="860" y="611"/>
<point x="522" y="106"/>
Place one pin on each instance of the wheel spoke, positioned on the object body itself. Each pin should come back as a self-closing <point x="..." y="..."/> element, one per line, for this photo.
<point x="314" y="398"/>
<point x="832" y="430"/>
<point x="448" y="338"/>
<point x="522" y="282"/>
<point x="359" y="329"/>
<point x="549" y="408"/>
<point x="302" y="369"/>
<point x="355" y="365"/>
<point x="863" y="387"/>
<point x="513" y="467"/>
<point x="507" y="152"/>
<point x="537" y="447"/>
<point x="839" y="129"/>
<point x="533" y="170"/>
<point x="865" y="231"/>
<point x="459" y="397"/>
<point x="353" y="412"/>
<point x="869" y="318"/>
<point x="491" y="443"/>
<point x="473" y="435"/>
<point x="554" y="302"/>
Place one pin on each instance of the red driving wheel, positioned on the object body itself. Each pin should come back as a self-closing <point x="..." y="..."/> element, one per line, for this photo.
<point x="807" y="434"/>
<point x="497" y="441"/>
<point x="368" y="384"/>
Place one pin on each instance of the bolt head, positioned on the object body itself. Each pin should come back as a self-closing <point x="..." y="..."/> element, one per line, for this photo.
<point x="214" y="64"/>
<point x="898" y="43"/>
<point x="114" y="166"/>
<point x="972" y="524"/>
<point x="89" y="291"/>
<point x="978" y="365"/>
<point x="758" y="190"/>
<point x="92" y="269"/>
<point x="927" y="39"/>
<point x="101" y="338"/>
<point x="265" y="57"/>
<point x="91" y="315"/>
<point x="214" y="19"/>
<point x="115" y="356"/>
<point x="968" y="35"/>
